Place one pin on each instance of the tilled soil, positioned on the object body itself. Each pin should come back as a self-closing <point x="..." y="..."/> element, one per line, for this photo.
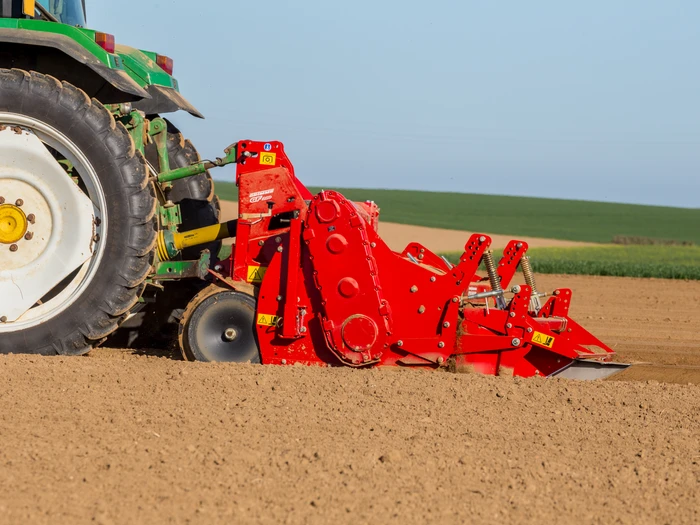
<point x="654" y="323"/>
<point x="117" y="437"/>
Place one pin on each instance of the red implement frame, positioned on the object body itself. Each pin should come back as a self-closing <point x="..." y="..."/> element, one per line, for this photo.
<point x="331" y="292"/>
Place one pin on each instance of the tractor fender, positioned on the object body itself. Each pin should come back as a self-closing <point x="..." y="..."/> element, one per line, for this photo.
<point x="117" y="79"/>
<point x="165" y="100"/>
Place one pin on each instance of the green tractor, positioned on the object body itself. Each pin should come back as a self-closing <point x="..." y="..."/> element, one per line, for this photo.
<point x="88" y="180"/>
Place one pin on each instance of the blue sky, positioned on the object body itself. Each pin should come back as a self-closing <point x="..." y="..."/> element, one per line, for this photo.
<point x="594" y="100"/>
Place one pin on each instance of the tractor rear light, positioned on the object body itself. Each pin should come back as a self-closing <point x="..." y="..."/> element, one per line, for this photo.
<point x="105" y="41"/>
<point x="165" y="63"/>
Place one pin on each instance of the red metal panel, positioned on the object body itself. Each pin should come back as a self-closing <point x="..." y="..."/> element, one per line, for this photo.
<point x="334" y="293"/>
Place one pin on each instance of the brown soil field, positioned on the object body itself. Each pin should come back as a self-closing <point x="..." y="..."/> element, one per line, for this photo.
<point x="398" y="236"/>
<point x="125" y="437"/>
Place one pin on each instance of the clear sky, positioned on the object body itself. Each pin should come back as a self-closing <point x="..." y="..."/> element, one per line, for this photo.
<point x="595" y="100"/>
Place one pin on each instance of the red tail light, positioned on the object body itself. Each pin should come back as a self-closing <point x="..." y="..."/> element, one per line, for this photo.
<point x="165" y="63"/>
<point x="105" y="41"/>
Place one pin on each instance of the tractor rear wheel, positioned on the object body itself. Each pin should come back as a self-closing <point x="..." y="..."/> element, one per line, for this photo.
<point x="78" y="238"/>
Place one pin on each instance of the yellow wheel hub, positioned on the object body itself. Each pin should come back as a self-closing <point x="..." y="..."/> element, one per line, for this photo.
<point x="13" y="224"/>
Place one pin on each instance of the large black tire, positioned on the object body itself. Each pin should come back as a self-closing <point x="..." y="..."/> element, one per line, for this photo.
<point x="130" y="241"/>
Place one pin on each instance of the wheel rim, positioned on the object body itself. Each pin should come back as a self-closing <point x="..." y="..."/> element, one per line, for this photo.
<point x="67" y="291"/>
<point x="222" y="329"/>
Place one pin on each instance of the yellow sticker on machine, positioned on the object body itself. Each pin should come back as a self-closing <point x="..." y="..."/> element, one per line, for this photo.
<point x="267" y="320"/>
<point x="542" y="339"/>
<point x="256" y="274"/>
<point x="268" y="159"/>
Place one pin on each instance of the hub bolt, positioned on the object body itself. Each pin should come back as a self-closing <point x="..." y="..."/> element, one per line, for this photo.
<point x="31" y="218"/>
<point x="13" y="247"/>
<point x="19" y="202"/>
<point x="2" y="200"/>
<point x="28" y="236"/>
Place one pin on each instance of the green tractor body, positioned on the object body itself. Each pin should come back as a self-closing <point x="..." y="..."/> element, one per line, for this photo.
<point x="78" y="260"/>
<point x="90" y="60"/>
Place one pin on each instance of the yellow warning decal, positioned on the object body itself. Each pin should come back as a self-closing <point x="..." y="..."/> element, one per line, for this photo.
<point x="267" y="320"/>
<point x="256" y="274"/>
<point x="268" y="159"/>
<point x="542" y="339"/>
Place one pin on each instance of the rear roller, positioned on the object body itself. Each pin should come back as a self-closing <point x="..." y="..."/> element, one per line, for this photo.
<point x="219" y="325"/>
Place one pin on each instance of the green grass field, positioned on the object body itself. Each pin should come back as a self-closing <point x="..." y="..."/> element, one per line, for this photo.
<point x="666" y="262"/>
<point x="555" y="219"/>
<point x="549" y="218"/>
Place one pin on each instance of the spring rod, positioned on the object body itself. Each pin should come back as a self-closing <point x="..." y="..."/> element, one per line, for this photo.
<point x="491" y="270"/>
<point x="530" y="281"/>
<point x="494" y="279"/>
<point x="527" y="273"/>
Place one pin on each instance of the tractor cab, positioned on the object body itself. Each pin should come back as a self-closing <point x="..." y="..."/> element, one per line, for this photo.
<point x="70" y="12"/>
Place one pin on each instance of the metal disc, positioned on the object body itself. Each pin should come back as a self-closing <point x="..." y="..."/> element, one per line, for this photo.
<point x="222" y="328"/>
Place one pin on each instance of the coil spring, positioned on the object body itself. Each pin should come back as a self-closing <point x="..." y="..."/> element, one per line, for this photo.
<point x="527" y="273"/>
<point x="491" y="270"/>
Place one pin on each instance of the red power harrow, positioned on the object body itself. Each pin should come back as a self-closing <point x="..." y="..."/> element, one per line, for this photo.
<point x="310" y="281"/>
